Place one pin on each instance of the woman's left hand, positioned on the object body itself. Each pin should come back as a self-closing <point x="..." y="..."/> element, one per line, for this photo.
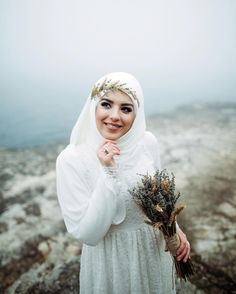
<point x="183" y="252"/>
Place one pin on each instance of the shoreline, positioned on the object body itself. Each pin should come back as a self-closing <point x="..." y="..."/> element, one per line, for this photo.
<point x="183" y="109"/>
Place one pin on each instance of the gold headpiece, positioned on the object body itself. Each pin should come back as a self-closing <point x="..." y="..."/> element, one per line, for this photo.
<point x="106" y="86"/>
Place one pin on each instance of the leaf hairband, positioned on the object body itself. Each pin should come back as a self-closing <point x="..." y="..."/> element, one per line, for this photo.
<point x="106" y="86"/>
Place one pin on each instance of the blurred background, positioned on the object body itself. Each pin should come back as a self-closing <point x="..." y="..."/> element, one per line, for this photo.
<point x="52" y="52"/>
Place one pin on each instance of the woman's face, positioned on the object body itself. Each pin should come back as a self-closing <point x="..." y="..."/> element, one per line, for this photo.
<point x="114" y="115"/>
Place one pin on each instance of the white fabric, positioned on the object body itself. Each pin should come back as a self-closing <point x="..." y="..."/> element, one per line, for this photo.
<point x="85" y="128"/>
<point x="121" y="254"/>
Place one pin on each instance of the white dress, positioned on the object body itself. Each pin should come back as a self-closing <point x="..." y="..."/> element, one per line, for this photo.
<point x="121" y="254"/>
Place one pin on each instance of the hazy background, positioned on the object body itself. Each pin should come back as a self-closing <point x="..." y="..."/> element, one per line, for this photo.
<point x="52" y="52"/>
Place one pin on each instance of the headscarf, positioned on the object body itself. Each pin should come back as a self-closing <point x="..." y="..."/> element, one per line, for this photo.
<point x="85" y="130"/>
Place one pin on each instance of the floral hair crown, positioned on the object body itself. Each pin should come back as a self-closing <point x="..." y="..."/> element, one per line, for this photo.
<point x="106" y="86"/>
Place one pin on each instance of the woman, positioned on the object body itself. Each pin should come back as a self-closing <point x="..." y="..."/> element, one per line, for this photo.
<point x="109" y="147"/>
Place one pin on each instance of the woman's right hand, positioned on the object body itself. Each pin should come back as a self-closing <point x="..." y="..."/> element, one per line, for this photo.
<point x="106" y="152"/>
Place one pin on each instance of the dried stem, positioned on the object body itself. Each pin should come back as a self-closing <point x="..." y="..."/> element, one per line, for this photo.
<point x="157" y="198"/>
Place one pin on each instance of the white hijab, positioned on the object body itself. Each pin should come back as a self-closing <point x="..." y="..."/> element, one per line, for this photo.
<point x="85" y="130"/>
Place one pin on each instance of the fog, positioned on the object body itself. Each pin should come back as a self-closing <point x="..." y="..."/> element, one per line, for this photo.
<point x="52" y="52"/>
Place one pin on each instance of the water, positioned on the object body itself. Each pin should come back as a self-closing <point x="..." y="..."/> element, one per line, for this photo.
<point x="36" y="117"/>
<point x="32" y="126"/>
<point x="28" y="129"/>
<point x="48" y="119"/>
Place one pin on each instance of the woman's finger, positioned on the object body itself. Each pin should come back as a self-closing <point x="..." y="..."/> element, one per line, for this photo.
<point x="108" y="146"/>
<point x="106" y="153"/>
<point x="184" y="254"/>
<point x="181" y="247"/>
<point x="108" y="149"/>
<point x="112" y="152"/>
<point x="187" y="256"/>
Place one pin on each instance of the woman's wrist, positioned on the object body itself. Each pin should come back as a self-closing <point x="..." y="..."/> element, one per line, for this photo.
<point x="110" y="171"/>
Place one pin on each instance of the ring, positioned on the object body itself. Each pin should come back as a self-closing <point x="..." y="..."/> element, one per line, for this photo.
<point x="106" y="151"/>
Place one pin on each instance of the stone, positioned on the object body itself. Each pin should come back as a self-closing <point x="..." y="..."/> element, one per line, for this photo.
<point x="227" y="209"/>
<point x="44" y="248"/>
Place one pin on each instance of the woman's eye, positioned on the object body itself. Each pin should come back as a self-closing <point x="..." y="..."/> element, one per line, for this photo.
<point x="126" y="109"/>
<point x="105" y="104"/>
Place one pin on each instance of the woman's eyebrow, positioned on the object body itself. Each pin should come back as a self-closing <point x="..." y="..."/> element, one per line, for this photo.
<point x="123" y="104"/>
<point x="108" y="100"/>
<point x="127" y="104"/>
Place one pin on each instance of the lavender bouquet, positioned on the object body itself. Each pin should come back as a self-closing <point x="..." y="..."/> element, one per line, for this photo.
<point x="157" y="198"/>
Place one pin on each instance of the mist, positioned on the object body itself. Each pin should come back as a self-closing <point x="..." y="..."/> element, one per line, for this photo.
<point x="52" y="53"/>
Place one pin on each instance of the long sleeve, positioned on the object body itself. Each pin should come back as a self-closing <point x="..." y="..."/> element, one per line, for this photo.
<point x="88" y="214"/>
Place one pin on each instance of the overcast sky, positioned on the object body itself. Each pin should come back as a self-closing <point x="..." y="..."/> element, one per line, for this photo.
<point x="180" y="51"/>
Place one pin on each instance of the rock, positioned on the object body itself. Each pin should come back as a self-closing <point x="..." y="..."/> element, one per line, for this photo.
<point x="33" y="209"/>
<point x="6" y="175"/>
<point x="73" y="250"/>
<point x="44" y="248"/>
<point x="228" y="210"/>
<point x="19" y="220"/>
<point x="3" y="227"/>
<point x="2" y="203"/>
<point x="197" y="144"/>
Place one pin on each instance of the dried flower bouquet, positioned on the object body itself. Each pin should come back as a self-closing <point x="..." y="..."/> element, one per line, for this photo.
<point x="156" y="196"/>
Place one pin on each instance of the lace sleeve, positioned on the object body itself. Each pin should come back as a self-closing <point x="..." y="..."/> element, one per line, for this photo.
<point x="112" y="181"/>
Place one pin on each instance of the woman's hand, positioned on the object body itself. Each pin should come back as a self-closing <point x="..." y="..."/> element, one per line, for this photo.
<point x="183" y="252"/>
<point x="106" y="152"/>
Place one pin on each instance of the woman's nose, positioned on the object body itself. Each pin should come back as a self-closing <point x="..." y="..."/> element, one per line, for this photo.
<point x="114" y="114"/>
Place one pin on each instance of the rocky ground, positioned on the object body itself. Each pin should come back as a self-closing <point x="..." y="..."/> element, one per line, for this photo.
<point x="198" y="144"/>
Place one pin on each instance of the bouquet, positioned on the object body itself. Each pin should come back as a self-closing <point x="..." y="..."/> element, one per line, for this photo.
<point x="157" y="198"/>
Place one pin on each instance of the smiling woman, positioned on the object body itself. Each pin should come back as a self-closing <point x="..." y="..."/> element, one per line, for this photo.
<point x="109" y="147"/>
<point x="114" y="115"/>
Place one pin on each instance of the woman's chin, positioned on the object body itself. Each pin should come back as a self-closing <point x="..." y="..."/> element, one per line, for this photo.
<point x="111" y="136"/>
<point x="108" y="137"/>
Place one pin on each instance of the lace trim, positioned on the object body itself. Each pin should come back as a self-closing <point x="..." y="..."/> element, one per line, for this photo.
<point x="111" y="172"/>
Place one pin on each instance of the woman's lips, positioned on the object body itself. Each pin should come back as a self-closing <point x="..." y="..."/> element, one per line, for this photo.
<point x="113" y="126"/>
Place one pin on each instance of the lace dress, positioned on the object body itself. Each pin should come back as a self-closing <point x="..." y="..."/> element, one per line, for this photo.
<point x="130" y="258"/>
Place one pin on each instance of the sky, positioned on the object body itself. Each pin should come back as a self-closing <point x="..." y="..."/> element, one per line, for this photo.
<point x="52" y="52"/>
